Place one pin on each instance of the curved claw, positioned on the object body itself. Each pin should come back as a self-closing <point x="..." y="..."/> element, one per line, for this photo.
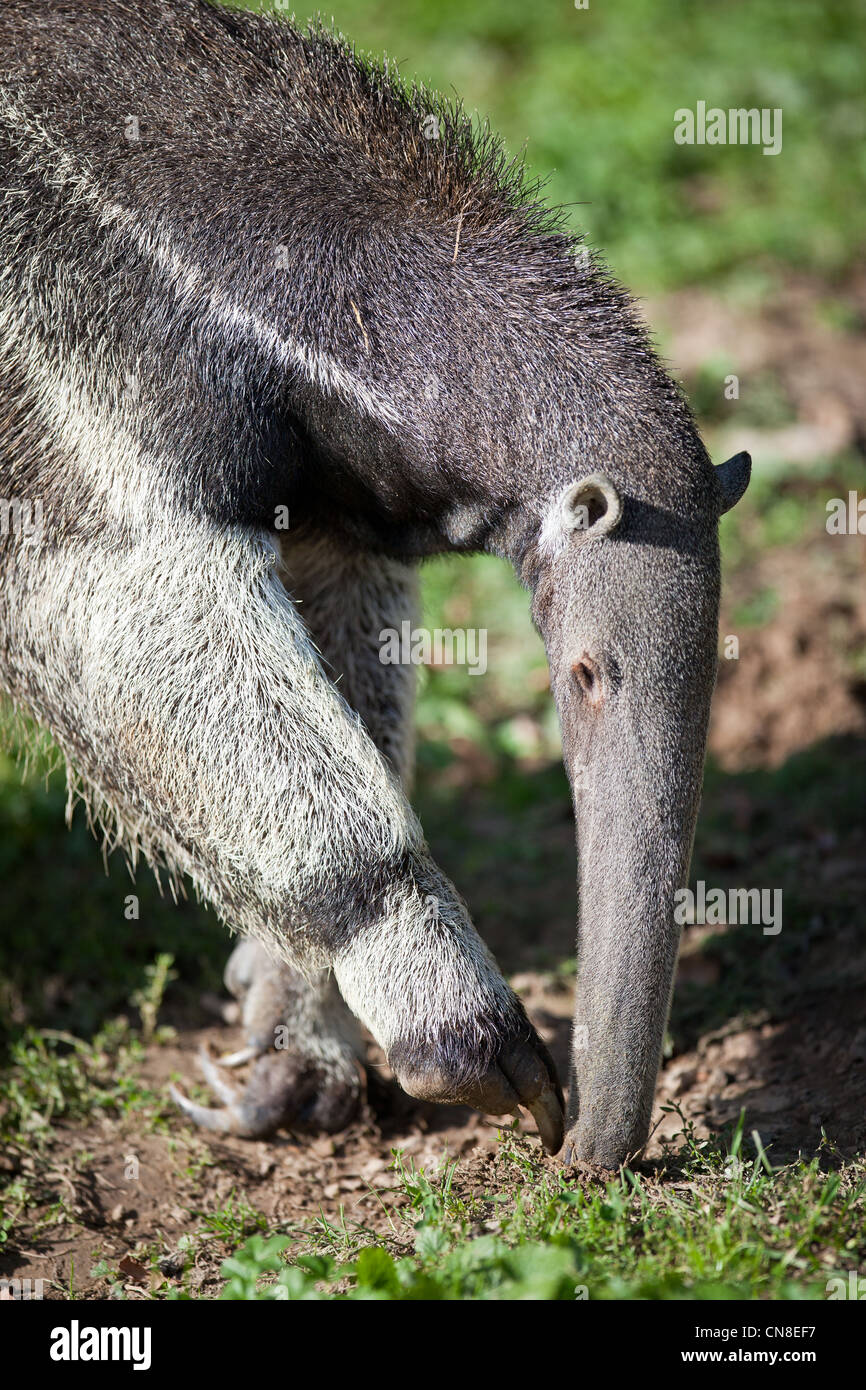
<point x="218" y="1084"/>
<point x="239" y="1058"/>
<point x="284" y="1090"/>
<point x="546" y="1110"/>
<point x="523" y="1074"/>
<point x="233" y="1117"/>
<point x="532" y="1072"/>
<point x="220" y="1121"/>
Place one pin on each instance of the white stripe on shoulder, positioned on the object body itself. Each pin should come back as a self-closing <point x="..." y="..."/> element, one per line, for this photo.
<point x="225" y="312"/>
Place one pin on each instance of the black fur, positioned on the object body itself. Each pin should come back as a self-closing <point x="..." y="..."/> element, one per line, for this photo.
<point x="299" y="176"/>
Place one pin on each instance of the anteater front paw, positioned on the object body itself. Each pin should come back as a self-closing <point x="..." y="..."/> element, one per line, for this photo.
<point x="305" y="1050"/>
<point x="520" y="1072"/>
<point x="287" y="1089"/>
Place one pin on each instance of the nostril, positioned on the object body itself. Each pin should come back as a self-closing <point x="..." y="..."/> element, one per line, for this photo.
<point x="588" y="675"/>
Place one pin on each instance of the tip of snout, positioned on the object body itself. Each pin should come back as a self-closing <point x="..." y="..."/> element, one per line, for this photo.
<point x="598" y="1151"/>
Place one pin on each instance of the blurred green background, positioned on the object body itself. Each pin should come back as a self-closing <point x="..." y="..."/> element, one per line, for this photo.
<point x="738" y="256"/>
<point x="590" y="96"/>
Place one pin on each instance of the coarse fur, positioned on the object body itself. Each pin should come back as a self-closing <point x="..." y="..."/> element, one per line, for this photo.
<point x="246" y="273"/>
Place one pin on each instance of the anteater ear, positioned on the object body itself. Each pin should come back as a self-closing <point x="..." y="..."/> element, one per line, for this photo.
<point x="733" y="478"/>
<point x="592" y="504"/>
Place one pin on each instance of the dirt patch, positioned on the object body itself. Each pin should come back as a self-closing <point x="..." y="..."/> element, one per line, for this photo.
<point x="129" y="1185"/>
<point x="807" y="341"/>
<point x="797" y="677"/>
<point x="794" y="1078"/>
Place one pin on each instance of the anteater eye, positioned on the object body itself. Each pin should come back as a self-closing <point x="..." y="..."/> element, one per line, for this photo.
<point x="588" y="676"/>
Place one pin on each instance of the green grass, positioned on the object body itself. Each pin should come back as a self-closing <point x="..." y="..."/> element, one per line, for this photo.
<point x="54" y="1075"/>
<point x="591" y="94"/>
<point x="721" y="1223"/>
<point x="69" y="954"/>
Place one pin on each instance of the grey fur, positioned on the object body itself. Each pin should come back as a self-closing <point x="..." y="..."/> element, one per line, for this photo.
<point x="279" y="294"/>
<point x="345" y="597"/>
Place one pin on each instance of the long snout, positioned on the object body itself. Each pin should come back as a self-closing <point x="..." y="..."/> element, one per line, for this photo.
<point x="630" y="868"/>
<point x="637" y="788"/>
<point x="630" y="623"/>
